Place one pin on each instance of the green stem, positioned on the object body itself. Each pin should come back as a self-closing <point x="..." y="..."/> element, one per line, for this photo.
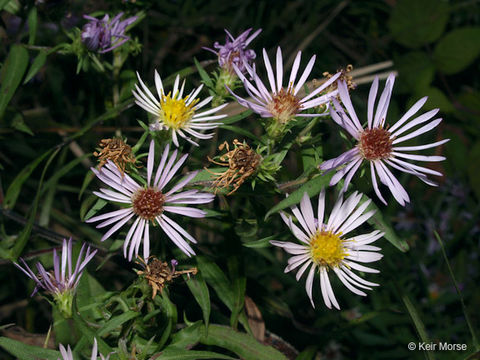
<point x="467" y="318"/>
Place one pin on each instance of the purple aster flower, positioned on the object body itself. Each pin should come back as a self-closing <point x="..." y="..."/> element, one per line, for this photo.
<point x="283" y="103"/>
<point x="105" y="35"/>
<point x="235" y="51"/>
<point x="377" y="143"/>
<point x="324" y="246"/>
<point x="150" y="203"/>
<point x="176" y="113"/>
<point x="62" y="282"/>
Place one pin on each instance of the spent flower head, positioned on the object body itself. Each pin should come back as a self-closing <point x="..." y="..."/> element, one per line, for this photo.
<point x="104" y="35"/>
<point x="117" y="151"/>
<point x="241" y="162"/>
<point x="159" y="274"/>
<point x="62" y="281"/>
<point x="176" y="113"/>
<point x="378" y="142"/>
<point x="325" y="247"/>
<point x="149" y="204"/>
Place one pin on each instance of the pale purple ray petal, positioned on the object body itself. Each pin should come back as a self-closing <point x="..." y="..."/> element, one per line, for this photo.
<point x="309" y="284"/>
<point x="417" y="132"/>
<point x="186" y="211"/>
<point x="279" y="69"/>
<point x="116" y="227"/>
<point x="420" y="147"/>
<point x="305" y="75"/>
<point x="421" y="119"/>
<point x="321" y="208"/>
<point x="372" y="96"/>
<point x="374" y="182"/>
<point x="307" y="211"/>
<point x="417" y="106"/>
<point x="271" y="76"/>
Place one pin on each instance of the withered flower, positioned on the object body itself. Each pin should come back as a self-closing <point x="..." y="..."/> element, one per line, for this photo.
<point x="242" y="162"/>
<point x="116" y="150"/>
<point x="159" y="274"/>
<point x="344" y="76"/>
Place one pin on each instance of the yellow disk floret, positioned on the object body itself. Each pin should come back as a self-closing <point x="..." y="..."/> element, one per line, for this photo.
<point x="176" y="113"/>
<point x="326" y="248"/>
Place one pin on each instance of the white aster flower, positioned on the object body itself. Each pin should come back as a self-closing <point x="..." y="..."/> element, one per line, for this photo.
<point x="283" y="103"/>
<point x="150" y="203"/>
<point x="67" y="353"/>
<point x="324" y="247"/>
<point x="377" y="143"/>
<point x="176" y="113"/>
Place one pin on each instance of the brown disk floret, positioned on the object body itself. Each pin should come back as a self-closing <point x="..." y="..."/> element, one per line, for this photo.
<point x="148" y="203"/>
<point x="375" y="144"/>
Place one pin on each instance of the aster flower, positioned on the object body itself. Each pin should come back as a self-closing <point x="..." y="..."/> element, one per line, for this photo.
<point x="324" y="246"/>
<point x="176" y="113"/>
<point x="378" y="143"/>
<point x="282" y="103"/>
<point x="105" y="35"/>
<point x="62" y="282"/>
<point x="235" y="51"/>
<point x="67" y="353"/>
<point x="149" y="204"/>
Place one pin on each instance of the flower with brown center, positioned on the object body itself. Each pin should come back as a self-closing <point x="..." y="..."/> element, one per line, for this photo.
<point x="117" y="151"/>
<point x="283" y="103"/>
<point x="242" y="162"/>
<point x="150" y="204"/>
<point x="377" y="143"/>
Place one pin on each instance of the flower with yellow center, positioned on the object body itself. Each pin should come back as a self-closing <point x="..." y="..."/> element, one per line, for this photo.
<point x="379" y="144"/>
<point x="325" y="248"/>
<point x="176" y="113"/>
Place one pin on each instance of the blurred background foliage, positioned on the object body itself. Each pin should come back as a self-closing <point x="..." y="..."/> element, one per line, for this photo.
<point x="434" y="46"/>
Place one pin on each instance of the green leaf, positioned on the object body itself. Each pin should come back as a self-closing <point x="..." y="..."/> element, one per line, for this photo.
<point x="235" y="118"/>
<point x="436" y="99"/>
<point x="308" y="354"/>
<point x="199" y="289"/>
<point x="422" y="332"/>
<point x="244" y="345"/>
<point x="239" y="130"/>
<point x="12" y="73"/>
<point x="37" y="64"/>
<point x="98" y="206"/>
<point x="16" y="186"/>
<point x="171" y="313"/>
<point x="189" y="336"/>
<point x="172" y="353"/>
<point x="3" y="3"/>
<point x="312" y="188"/>
<point x="381" y="224"/>
<point x="32" y="25"/>
<point x="116" y="321"/>
<point x="18" y="124"/>
<point x="457" y="50"/>
<point x="27" y="352"/>
<point x="203" y="74"/>
<point x="415" y="23"/>
<point x="262" y="243"/>
<point x="215" y="277"/>
<point x="239" y="284"/>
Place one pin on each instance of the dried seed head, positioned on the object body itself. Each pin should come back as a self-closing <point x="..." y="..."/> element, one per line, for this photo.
<point x="159" y="274"/>
<point x="344" y="76"/>
<point x="116" y="150"/>
<point x="242" y="162"/>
